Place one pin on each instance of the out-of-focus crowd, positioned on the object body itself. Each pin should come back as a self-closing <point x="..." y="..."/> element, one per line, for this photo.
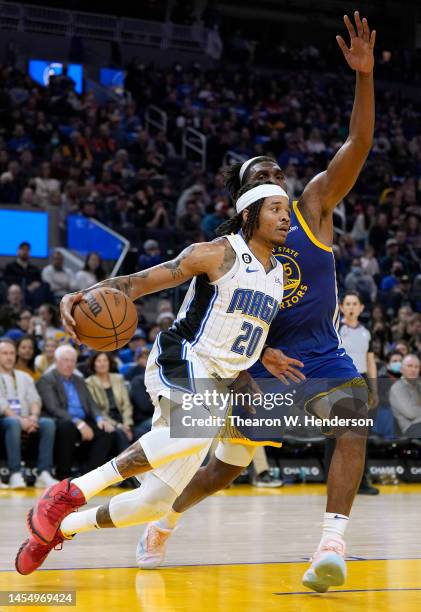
<point x="67" y="153"/>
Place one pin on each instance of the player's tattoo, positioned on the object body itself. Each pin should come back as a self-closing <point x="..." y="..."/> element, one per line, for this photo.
<point x="103" y="517"/>
<point x="174" y="265"/>
<point x="229" y="258"/>
<point x="132" y="461"/>
<point x="142" y="274"/>
<point x="122" y="283"/>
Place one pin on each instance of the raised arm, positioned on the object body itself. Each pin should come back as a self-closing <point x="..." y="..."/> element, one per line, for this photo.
<point x="328" y="188"/>
<point x="211" y="258"/>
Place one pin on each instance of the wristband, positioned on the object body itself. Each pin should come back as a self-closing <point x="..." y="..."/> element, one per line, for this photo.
<point x="81" y="425"/>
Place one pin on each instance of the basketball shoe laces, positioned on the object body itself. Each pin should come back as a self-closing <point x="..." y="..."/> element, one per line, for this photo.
<point x="156" y="538"/>
<point x="53" y="509"/>
<point x="331" y="545"/>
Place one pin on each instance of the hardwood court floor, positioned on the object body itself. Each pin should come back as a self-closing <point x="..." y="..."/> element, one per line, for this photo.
<point x="244" y="549"/>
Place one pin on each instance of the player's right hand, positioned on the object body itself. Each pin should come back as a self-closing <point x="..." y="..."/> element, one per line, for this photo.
<point x="282" y="366"/>
<point x="67" y="304"/>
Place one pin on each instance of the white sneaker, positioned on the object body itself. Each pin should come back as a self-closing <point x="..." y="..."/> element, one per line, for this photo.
<point x="150" y="551"/>
<point x="44" y="480"/>
<point x="328" y="567"/>
<point x="16" y="481"/>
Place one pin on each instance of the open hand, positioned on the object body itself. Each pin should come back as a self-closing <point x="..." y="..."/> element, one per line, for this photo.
<point x="66" y="307"/>
<point x="359" y="56"/>
<point x="282" y="366"/>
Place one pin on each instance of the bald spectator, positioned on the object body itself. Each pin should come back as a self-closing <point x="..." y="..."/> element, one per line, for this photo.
<point x="60" y="279"/>
<point x="15" y="299"/>
<point x="66" y="398"/>
<point x="405" y="398"/>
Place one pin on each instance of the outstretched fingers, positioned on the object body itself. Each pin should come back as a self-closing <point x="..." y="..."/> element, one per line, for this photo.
<point x="349" y="27"/>
<point x="366" y="30"/>
<point x="359" y="24"/>
<point x="342" y="45"/>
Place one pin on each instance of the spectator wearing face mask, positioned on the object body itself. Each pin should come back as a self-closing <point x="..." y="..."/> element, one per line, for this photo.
<point x="388" y="374"/>
<point x="392" y="368"/>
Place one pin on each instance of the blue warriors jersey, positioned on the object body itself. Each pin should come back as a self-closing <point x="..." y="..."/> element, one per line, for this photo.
<point x="306" y="326"/>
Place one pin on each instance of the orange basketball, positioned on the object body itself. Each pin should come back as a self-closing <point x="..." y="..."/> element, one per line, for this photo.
<point x="105" y="319"/>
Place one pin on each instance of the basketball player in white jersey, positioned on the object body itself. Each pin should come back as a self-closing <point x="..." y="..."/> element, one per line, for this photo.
<point x="220" y="331"/>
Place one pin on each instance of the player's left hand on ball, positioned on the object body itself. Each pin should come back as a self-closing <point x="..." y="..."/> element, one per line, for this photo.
<point x="283" y="367"/>
<point x="359" y="55"/>
<point x="66" y="307"/>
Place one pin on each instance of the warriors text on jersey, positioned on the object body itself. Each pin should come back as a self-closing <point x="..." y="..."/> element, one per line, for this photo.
<point x="225" y="323"/>
<point x="307" y="325"/>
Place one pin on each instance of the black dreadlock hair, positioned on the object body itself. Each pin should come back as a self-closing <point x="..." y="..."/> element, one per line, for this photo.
<point x="231" y="175"/>
<point x="237" y="222"/>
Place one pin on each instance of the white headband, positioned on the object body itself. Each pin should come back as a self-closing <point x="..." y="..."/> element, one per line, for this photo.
<point x="257" y="193"/>
<point x="246" y="165"/>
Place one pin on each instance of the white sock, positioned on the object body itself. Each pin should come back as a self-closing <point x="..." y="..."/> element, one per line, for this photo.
<point x="170" y="520"/>
<point x="95" y="481"/>
<point x="76" y="522"/>
<point x="334" y="526"/>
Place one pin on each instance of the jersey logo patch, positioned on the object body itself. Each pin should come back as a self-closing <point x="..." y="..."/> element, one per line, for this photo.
<point x="246" y="258"/>
<point x="248" y="269"/>
<point x="294" y="288"/>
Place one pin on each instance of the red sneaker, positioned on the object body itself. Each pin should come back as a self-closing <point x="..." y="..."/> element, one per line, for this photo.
<point x="58" y="501"/>
<point x="32" y="554"/>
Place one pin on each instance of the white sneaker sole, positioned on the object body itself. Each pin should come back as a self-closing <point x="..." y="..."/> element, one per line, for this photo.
<point x="329" y="571"/>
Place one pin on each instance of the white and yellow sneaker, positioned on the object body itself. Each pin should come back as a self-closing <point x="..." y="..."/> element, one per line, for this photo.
<point x="328" y="567"/>
<point x="150" y="550"/>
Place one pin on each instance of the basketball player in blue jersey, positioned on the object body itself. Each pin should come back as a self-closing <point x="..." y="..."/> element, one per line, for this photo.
<point x="306" y="326"/>
<point x="234" y="295"/>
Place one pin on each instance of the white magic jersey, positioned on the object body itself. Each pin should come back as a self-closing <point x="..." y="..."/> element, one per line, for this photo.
<point x="226" y="322"/>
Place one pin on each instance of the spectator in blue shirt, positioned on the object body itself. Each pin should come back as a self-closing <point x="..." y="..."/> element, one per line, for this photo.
<point x="20" y="140"/>
<point x="66" y="397"/>
<point x="213" y="220"/>
<point x="152" y="255"/>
